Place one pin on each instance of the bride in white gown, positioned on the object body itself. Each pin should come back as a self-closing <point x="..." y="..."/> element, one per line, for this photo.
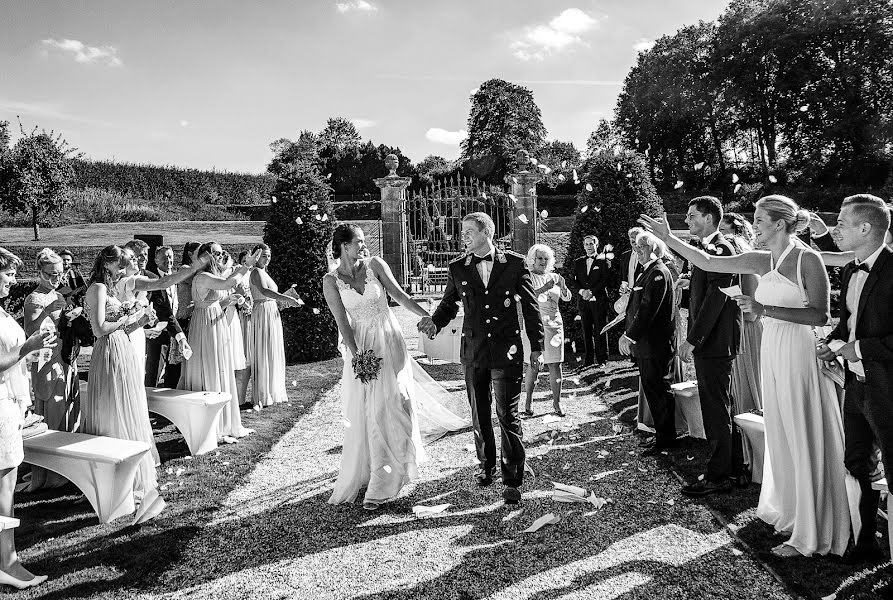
<point x="804" y="487"/>
<point x="386" y="420"/>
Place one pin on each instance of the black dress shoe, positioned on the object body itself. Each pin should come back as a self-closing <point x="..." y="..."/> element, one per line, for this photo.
<point x="741" y="480"/>
<point x="484" y="477"/>
<point x="511" y="495"/>
<point x="863" y="554"/>
<point x="705" y="488"/>
<point x="657" y="448"/>
<point x="647" y="442"/>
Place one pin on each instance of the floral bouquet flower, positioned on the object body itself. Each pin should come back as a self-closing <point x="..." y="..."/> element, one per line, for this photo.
<point x="366" y="366"/>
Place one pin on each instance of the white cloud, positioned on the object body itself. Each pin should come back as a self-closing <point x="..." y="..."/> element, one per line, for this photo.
<point x="184" y="123"/>
<point x="83" y="53"/>
<point x="643" y="44"/>
<point x="360" y="5"/>
<point x="442" y="136"/>
<point x="362" y="123"/>
<point x="559" y="34"/>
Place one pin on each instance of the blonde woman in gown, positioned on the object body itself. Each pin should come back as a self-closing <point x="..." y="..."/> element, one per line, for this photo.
<point x="115" y="403"/>
<point x="54" y="382"/>
<point x="211" y="368"/>
<point x="386" y="420"/>
<point x="549" y="287"/>
<point x="803" y="492"/>
<point x="232" y="312"/>
<point x="267" y="345"/>
<point x="15" y="397"/>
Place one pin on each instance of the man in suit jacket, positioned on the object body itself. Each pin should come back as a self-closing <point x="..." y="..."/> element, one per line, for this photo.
<point x="165" y="304"/>
<point x="490" y="284"/>
<point x="714" y="332"/>
<point x="650" y="335"/>
<point x="864" y="338"/>
<point x="591" y="277"/>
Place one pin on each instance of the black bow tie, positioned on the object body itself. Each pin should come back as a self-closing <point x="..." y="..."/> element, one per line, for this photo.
<point x="475" y="259"/>
<point x="863" y="267"/>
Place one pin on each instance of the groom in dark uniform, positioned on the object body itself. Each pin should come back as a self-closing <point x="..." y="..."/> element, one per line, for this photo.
<point x="714" y="331"/>
<point x="491" y="284"/>
<point x="864" y="338"/>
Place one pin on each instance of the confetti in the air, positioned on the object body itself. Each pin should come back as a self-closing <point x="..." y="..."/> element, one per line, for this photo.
<point x="534" y="161"/>
<point x="734" y="177"/>
<point x="804" y="108"/>
<point x="737" y="187"/>
<point x="773" y="179"/>
<point x="314" y="206"/>
<point x="273" y="199"/>
<point x="561" y="177"/>
<point x="299" y="221"/>
<point x="315" y="311"/>
<point x="318" y="218"/>
<point x="328" y="176"/>
<point x="699" y="166"/>
<point x="523" y="218"/>
<point x="678" y="185"/>
<point x="588" y="187"/>
<point x="513" y="199"/>
<point x="584" y="208"/>
<point x="386" y="468"/>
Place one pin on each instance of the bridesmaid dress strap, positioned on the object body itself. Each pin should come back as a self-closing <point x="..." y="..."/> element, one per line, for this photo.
<point x="803" y="297"/>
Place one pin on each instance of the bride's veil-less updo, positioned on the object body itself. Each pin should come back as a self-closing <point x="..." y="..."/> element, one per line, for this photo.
<point x="344" y="234"/>
<point x="781" y="207"/>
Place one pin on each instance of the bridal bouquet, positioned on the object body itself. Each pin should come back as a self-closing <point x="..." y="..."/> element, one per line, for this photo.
<point x="366" y="366"/>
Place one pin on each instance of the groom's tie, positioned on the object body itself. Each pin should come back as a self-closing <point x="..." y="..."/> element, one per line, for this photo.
<point x="477" y="259"/>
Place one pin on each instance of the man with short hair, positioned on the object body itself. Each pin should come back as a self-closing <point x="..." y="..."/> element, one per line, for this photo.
<point x="165" y="304"/>
<point x="140" y="251"/>
<point x="864" y="338"/>
<point x="714" y="332"/>
<point x="491" y="284"/>
<point x="590" y="278"/>
<point x="72" y="280"/>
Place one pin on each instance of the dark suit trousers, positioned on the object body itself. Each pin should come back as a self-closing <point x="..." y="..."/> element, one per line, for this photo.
<point x="867" y="422"/>
<point x="593" y="317"/>
<point x="153" y="357"/>
<point x="714" y="383"/>
<point x="506" y="387"/>
<point x="656" y="375"/>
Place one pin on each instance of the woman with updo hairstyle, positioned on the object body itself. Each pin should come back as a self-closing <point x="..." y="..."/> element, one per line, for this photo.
<point x="267" y="342"/>
<point x="15" y="398"/>
<point x="803" y="489"/>
<point x="211" y="367"/>
<point x="54" y="382"/>
<point x="746" y="395"/>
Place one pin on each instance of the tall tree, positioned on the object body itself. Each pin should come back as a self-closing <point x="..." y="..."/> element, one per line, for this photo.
<point x="35" y="174"/>
<point x="339" y="135"/>
<point x="504" y="118"/>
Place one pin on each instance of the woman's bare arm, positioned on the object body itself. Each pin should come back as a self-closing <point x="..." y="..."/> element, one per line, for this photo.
<point x="333" y="299"/>
<point x="381" y="268"/>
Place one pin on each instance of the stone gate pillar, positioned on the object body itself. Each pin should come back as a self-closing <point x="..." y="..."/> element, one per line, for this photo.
<point x="522" y="185"/>
<point x="393" y="194"/>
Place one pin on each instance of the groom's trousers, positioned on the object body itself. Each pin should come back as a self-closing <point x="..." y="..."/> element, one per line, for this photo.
<point x="506" y="388"/>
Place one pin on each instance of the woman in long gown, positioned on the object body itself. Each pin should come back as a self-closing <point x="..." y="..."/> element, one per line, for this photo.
<point x="746" y="367"/>
<point x="131" y="292"/>
<point x="387" y="419"/>
<point x="15" y="397"/>
<point x="803" y="491"/>
<point x="174" y="368"/>
<point x="232" y="311"/>
<point x="115" y="403"/>
<point x="267" y="344"/>
<point x="549" y="287"/>
<point x="57" y="391"/>
<point x="211" y="369"/>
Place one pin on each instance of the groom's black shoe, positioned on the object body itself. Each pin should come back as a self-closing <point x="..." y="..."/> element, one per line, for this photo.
<point x="705" y="488"/>
<point x="868" y="554"/>
<point x="484" y="477"/>
<point x="511" y="495"/>
<point x="657" y="448"/>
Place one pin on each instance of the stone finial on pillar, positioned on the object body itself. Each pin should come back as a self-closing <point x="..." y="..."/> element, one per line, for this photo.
<point x="393" y="194"/>
<point x="522" y="185"/>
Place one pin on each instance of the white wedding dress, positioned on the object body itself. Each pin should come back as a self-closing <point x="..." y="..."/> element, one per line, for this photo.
<point x="804" y="490"/>
<point x="387" y="420"/>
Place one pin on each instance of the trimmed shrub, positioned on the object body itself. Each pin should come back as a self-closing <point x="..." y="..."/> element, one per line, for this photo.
<point x="299" y="257"/>
<point x="616" y="190"/>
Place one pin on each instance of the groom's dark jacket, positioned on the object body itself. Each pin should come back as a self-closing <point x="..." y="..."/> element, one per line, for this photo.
<point x="491" y="332"/>
<point x="714" y="320"/>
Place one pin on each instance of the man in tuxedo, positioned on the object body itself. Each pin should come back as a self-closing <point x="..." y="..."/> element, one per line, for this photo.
<point x="72" y="280"/>
<point x="864" y="338"/>
<point x="650" y="337"/>
<point x="714" y="332"/>
<point x="140" y="251"/>
<point x="165" y="304"/>
<point x="491" y="284"/>
<point x="590" y="279"/>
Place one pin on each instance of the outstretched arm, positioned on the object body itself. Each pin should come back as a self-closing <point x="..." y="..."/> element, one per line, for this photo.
<point x="141" y="283"/>
<point x="268" y="292"/>
<point x="383" y="271"/>
<point x="837" y="259"/>
<point x="755" y="263"/>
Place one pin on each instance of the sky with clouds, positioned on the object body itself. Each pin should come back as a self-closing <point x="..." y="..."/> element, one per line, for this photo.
<point x="211" y="84"/>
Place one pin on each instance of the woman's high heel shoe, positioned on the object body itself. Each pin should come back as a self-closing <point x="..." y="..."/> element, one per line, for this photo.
<point x="19" y="584"/>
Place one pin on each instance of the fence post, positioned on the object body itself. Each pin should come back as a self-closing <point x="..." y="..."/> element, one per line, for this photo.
<point x="522" y="185"/>
<point x="393" y="194"/>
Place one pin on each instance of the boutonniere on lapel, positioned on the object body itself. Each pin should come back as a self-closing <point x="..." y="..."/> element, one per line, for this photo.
<point x="609" y="252"/>
<point x="707" y="245"/>
<point x="500" y="256"/>
<point x="468" y="258"/>
<point x="659" y="278"/>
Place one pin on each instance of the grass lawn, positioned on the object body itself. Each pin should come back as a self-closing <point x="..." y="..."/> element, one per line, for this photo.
<point x="253" y="522"/>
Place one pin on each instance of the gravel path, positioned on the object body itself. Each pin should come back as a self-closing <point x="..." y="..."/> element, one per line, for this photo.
<point x="279" y="538"/>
